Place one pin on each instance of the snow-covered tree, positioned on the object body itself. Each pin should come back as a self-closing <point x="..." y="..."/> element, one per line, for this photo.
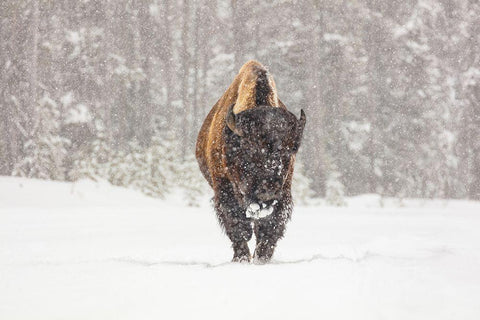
<point x="390" y="88"/>
<point x="45" y="150"/>
<point x="301" y="184"/>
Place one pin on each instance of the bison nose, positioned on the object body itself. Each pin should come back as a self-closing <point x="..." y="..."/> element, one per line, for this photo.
<point x="265" y="194"/>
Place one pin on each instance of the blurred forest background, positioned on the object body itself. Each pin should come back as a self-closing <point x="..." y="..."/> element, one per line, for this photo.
<point x="118" y="89"/>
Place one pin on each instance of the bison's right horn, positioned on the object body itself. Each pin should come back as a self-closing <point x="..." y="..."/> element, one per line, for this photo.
<point x="231" y="121"/>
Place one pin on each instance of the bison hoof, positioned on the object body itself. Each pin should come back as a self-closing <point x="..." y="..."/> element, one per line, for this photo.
<point x="261" y="260"/>
<point x="242" y="259"/>
<point x="263" y="253"/>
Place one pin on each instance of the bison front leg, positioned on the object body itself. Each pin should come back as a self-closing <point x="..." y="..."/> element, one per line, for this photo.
<point x="233" y="219"/>
<point x="268" y="231"/>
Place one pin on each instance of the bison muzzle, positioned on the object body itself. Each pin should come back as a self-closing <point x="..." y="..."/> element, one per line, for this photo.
<point x="246" y="150"/>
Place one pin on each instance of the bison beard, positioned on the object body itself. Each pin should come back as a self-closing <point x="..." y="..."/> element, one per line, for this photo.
<point x="247" y="156"/>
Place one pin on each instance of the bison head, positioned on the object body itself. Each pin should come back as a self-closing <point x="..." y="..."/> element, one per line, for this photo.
<point x="260" y="143"/>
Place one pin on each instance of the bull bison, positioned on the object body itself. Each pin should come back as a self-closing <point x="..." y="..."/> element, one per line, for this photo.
<point x="246" y="150"/>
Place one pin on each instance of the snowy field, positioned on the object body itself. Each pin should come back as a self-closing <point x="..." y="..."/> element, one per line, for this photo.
<point x="92" y="251"/>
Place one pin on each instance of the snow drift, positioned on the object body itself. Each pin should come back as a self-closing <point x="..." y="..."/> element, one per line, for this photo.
<point x="92" y="251"/>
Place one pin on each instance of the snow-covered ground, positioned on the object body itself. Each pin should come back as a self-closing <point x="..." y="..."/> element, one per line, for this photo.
<point x="92" y="251"/>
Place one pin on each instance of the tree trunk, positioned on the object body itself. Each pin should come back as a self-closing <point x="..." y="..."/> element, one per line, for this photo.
<point x="238" y="22"/>
<point x="167" y="58"/>
<point x="34" y="64"/>
<point x="319" y="156"/>
<point x="186" y="127"/>
<point x="145" y="28"/>
<point x="196" y="67"/>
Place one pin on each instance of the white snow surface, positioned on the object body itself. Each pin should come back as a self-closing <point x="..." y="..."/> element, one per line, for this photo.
<point x="89" y="250"/>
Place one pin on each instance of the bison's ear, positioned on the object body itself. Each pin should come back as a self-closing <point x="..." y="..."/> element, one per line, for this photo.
<point x="231" y="121"/>
<point x="299" y="130"/>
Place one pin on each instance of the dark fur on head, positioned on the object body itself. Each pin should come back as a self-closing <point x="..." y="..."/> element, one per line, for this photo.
<point x="259" y="150"/>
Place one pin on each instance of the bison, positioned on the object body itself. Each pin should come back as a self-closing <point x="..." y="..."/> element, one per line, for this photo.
<point x="246" y="151"/>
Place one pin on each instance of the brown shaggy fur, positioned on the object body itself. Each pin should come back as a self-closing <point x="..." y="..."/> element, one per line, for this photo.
<point x="224" y="154"/>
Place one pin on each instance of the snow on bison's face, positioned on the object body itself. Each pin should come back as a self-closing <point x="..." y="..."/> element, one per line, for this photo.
<point x="260" y="144"/>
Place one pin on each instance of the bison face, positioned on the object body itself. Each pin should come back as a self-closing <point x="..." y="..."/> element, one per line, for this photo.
<point x="260" y="143"/>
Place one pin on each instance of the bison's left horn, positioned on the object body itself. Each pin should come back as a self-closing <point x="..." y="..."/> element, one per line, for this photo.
<point x="303" y="119"/>
<point x="231" y="121"/>
<point x="300" y="126"/>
